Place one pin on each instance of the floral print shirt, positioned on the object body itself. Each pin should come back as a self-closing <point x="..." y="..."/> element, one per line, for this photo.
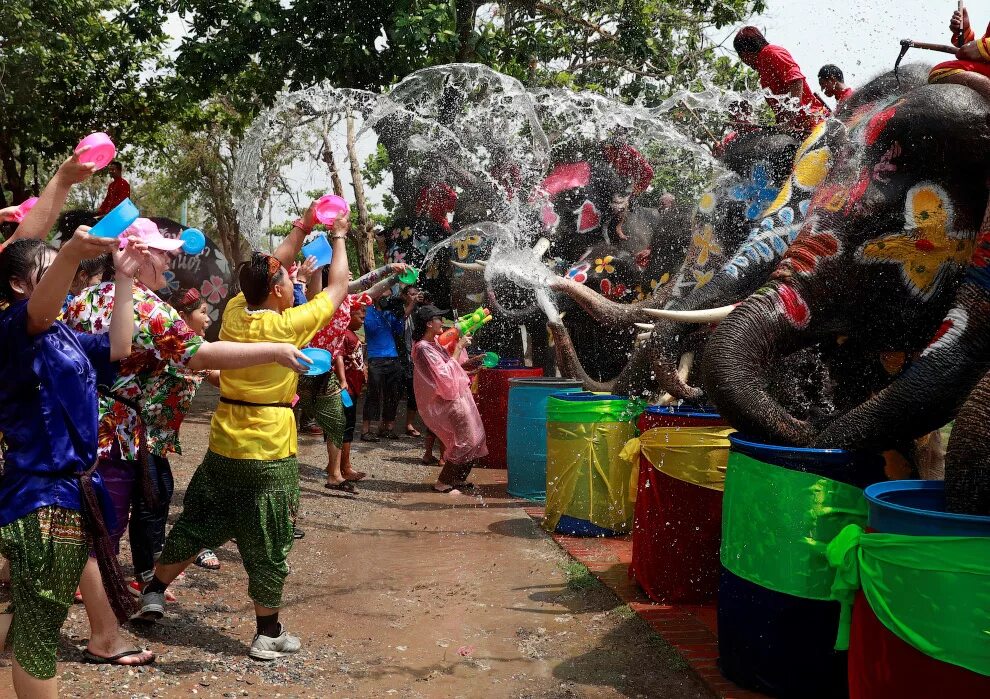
<point x="154" y="374"/>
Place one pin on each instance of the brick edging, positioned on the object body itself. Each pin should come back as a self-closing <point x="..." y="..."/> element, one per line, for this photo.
<point x="690" y="629"/>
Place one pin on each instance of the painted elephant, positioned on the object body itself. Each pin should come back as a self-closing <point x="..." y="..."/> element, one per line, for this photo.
<point x="876" y="266"/>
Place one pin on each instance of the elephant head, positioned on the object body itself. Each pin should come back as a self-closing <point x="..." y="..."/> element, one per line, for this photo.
<point x="877" y="263"/>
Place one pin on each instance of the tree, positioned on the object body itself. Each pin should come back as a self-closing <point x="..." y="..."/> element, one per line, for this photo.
<point x="68" y="68"/>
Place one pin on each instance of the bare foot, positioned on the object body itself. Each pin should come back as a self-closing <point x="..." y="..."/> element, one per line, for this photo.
<point x="354" y="476"/>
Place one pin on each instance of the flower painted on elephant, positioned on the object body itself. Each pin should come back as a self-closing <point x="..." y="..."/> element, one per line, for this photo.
<point x="757" y="192"/>
<point x="706" y="204"/>
<point x="588" y="218"/>
<point x="857" y="191"/>
<point x="213" y="289"/>
<point x="406" y="233"/>
<point x="612" y="291"/>
<point x="949" y="332"/>
<point x="706" y="245"/>
<point x="807" y="251"/>
<point x="702" y="277"/>
<point x="886" y="164"/>
<point x="579" y="273"/>
<point x="463" y="245"/>
<point x="641" y="293"/>
<point x="926" y="249"/>
<point x="398" y="256"/>
<point x="604" y="264"/>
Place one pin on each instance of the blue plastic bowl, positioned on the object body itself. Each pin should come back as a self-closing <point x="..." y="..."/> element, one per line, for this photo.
<point x="859" y="469"/>
<point x="345" y="398"/>
<point x="587" y="396"/>
<point x="193" y="241"/>
<point x="322" y="361"/>
<point x="117" y="221"/>
<point x="319" y="248"/>
<point x="700" y="412"/>
<point x="917" y="508"/>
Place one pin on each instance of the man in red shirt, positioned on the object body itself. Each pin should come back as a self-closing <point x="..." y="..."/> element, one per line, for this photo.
<point x="796" y="107"/>
<point x="833" y="84"/>
<point x="118" y="189"/>
<point x="972" y="67"/>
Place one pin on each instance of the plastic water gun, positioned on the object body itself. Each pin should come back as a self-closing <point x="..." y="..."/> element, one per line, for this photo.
<point x="465" y="325"/>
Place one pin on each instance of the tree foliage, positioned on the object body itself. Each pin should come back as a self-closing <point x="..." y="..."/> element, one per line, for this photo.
<point x="70" y="67"/>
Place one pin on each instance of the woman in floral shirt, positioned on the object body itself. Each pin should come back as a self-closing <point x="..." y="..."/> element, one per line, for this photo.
<point x="141" y="416"/>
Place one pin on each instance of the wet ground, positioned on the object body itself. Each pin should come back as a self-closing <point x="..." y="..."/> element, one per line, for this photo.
<point x="397" y="592"/>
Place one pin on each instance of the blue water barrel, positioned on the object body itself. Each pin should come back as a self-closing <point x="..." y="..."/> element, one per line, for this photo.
<point x="917" y="508"/>
<point x="778" y="643"/>
<point x="526" y="433"/>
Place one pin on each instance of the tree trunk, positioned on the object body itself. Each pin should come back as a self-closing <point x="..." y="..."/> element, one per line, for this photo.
<point x="13" y="179"/>
<point x="338" y="184"/>
<point x="364" y="238"/>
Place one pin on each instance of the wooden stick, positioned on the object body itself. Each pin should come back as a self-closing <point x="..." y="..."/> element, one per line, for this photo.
<point x="700" y="122"/>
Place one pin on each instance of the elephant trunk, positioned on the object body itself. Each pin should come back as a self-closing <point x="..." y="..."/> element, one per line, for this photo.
<point x="967" y="462"/>
<point x="568" y="361"/>
<point x="734" y="371"/>
<point x="600" y="308"/>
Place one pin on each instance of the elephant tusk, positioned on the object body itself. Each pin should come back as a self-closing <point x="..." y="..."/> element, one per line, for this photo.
<point x="666" y="399"/>
<point x="541" y="247"/>
<point x="470" y="266"/>
<point x="712" y="315"/>
<point x="644" y="326"/>
<point x="684" y="366"/>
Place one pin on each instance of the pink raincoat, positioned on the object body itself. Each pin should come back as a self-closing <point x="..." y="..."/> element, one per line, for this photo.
<point x="443" y="394"/>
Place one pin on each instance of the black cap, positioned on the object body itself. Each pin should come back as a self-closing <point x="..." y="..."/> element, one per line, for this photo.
<point x="428" y="312"/>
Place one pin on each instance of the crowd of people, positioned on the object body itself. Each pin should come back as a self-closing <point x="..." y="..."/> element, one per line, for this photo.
<point x="92" y="357"/>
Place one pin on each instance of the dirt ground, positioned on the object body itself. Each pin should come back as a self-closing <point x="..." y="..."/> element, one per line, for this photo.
<point x="397" y="592"/>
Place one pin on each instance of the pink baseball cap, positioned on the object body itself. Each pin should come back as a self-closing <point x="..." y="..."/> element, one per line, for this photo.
<point x="147" y="231"/>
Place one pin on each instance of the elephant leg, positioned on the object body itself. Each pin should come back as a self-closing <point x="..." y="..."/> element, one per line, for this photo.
<point x="967" y="461"/>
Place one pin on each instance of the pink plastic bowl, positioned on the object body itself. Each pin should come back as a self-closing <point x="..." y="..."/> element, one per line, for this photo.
<point x="330" y="207"/>
<point x="23" y="209"/>
<point x="101" y="152"/>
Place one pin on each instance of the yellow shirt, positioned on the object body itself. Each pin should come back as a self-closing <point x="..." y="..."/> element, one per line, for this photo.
<point x="246" y="432"/>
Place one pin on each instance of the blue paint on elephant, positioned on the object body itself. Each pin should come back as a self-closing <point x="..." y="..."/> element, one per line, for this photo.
<point x="758" y="192"/>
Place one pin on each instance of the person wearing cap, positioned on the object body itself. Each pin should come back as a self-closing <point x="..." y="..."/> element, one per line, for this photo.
<point x="795" y="106"/>
<point x="443" y="393"/>
<point x="138" y="410"/>
<point x="833" y="84"/>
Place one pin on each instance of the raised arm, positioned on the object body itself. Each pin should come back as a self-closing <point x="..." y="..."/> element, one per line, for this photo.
<point x="40" y="219"/>
<point x="127" y="263"/>
<point x="240" y="355"/>
<point x="337" y="282"/>
<point x="375" y="276"/>
<point x="49" y="294"/>
<point x="289" y="248"/>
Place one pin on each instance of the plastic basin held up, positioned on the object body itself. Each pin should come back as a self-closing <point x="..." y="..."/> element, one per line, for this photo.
<point x="117" y="221"/>
<point x="319" y="248"/>
<point x="101" y="151"/>
<point x="330" y="207"/>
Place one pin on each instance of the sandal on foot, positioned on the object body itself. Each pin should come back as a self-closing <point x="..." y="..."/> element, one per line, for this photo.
<point x="343" y="486"/>
<point x="369" y="437"/>
<point x="390" y="434"/>
<point x="207" y="559"/>
<point x="95" y="659"/>
<point x="298" y="533"/>
<point x="357" y="477"/>
<point x="445" y="489"/>
<point x="413" y="432"/>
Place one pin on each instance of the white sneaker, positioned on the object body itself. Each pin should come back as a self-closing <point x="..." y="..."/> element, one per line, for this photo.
<point x="268" y="648"/>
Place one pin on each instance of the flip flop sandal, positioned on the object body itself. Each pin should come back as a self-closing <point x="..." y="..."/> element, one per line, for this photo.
<point x="298" y="533"/>
<point x="94" y="659"/>
<point x="207" y="559"/>
<point x="444" y="490"/>
<point x="414" y="433"/>
<point x="388" y="435"/>
<point x="368" y="437"/>
<point x="344" y="487"/>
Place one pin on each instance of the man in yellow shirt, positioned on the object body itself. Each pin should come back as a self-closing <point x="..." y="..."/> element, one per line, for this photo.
<point x="247" y="487"/>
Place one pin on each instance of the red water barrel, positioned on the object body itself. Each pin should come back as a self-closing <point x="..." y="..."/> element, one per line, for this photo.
<point x="678" y="525"/>
<point x="493" y="405"/>
<point x="881" y="665"/>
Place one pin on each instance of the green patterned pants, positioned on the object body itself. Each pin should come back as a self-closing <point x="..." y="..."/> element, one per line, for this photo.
<point x="324" y="405"/>
<point x="47" y="551"/>
<point x="254" y="502"/>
